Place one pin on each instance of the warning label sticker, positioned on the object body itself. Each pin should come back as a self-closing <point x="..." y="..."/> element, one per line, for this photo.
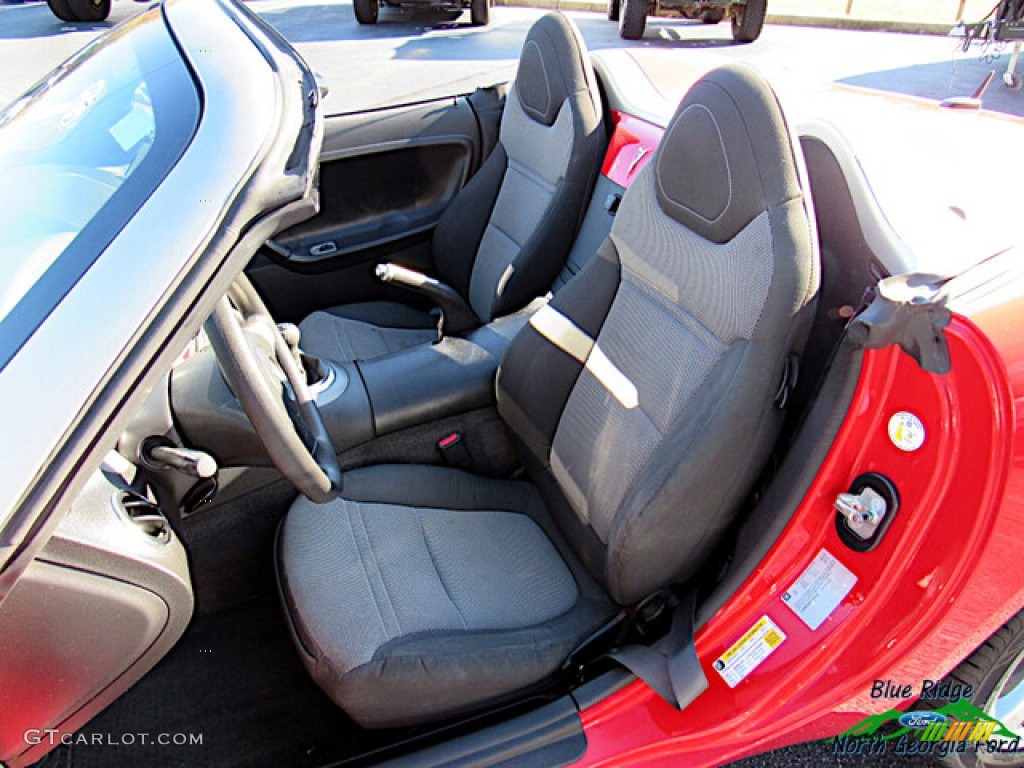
<point x="820" y="589"/>
<point x="749" y="651"/>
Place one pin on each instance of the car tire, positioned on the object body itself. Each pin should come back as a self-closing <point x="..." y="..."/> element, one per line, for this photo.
<point x="995" y="671"/>
<point x="747" y="20"/>
<point x="633" y="19"/>
<point x="480" y="12"/>
<point x="614" y="9"/>
<point x="366" y="11"/>
<point x="61" y="10"/>
<point x="89" y="10"/>
<point x="712" y="15"/>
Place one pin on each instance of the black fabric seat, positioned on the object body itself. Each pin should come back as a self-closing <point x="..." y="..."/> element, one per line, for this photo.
<point x="505" y="236"/>
<point x="643" y="397"/>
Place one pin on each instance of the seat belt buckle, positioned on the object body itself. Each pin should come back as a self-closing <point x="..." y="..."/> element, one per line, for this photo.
<point x="454" y="451"/>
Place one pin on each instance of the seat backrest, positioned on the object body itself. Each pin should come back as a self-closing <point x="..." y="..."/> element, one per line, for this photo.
<point x="644" y="394"/>
<point x="504" y="237"/>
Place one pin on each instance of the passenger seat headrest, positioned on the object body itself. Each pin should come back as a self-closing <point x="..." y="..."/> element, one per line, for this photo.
<point x="551" y="67"/>
<point x="726" y="155"/>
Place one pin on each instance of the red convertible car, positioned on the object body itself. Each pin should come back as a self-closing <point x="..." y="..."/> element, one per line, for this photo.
<point x="531" y="426"/>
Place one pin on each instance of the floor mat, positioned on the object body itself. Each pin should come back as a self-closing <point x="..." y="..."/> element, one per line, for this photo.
<point x="235" y="683"/>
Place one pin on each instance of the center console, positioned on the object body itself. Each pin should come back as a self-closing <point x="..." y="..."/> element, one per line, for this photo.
<point x="432" y="381"/>
<point x="358" y="401"/>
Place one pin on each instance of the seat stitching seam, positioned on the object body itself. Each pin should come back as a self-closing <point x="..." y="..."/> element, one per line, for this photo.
<point x="504" y="234"/>
<point x="533" y="177"/>
<point x="440" y="577"/>
<point x="342" y="338"/>
<point x="380" y="577"/>
<point x="382" y="339"/>
<point x="633" y="480"/>
<point x="728" y="171"/>
<point x="547" y="85"/>
<point x="362" y="566"/>
<point x="676" y="312"/>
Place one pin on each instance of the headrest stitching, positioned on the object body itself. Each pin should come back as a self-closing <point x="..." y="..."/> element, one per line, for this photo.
<point x="547" y="85"/>
<point x="725" y="156"/>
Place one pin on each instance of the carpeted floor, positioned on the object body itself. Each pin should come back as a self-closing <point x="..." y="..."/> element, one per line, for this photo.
<point x="235" y="680"/>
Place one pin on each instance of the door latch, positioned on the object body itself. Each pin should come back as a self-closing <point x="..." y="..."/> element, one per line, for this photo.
<point x="864" y="513"/>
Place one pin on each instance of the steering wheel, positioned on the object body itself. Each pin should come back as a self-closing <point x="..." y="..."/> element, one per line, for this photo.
<point x="267" y="379"/>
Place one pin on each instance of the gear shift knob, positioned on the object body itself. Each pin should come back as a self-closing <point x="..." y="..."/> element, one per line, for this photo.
<point x="311" y="366"/>
<point x="291" y="334"/>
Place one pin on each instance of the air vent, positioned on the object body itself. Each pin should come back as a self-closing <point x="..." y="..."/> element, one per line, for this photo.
<point x="142" y="511"/>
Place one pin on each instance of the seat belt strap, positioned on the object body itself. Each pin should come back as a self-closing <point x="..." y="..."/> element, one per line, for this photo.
<point x="678" y="677"/>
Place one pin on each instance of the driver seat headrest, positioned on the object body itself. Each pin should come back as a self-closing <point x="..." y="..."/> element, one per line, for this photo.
<point x="551" y="68"/>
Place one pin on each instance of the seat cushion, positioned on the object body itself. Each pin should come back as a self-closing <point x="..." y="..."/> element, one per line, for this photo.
<point x="366" y="330"/>
<point x="406" y="611"/>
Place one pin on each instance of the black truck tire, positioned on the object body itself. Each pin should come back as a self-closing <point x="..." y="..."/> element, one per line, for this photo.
<point x="633" y="19"/>
<point x="61" y="10"/>
<point x="480" y="12"/>
<point x="89" y="10"/>
<point x="748" y="20"/>
<point x="366" y="11"/>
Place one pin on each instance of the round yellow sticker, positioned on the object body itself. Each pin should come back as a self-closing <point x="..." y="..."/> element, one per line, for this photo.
<point x="906" y="431"/>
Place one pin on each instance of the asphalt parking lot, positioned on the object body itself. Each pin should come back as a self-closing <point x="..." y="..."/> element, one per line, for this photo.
<point x="411" y="57"/>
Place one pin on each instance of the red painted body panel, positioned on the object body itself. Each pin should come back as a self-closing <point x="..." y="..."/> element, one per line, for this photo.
<point x="632" y="144"/>
<point x="941" y="581"/>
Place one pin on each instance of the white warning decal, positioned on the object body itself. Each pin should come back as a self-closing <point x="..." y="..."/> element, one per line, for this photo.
<point x="749" y="651"/>
<point x="819" y="589"/>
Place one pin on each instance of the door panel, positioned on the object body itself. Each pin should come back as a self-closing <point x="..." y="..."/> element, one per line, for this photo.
<point x="385" y="179"/>
<point x="379" y="197"/>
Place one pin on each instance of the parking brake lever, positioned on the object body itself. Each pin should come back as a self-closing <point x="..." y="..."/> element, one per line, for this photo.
<point x="456" y="315"/>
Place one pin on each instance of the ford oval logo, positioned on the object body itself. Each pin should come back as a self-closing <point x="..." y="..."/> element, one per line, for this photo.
<point x="921" y="719"/>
